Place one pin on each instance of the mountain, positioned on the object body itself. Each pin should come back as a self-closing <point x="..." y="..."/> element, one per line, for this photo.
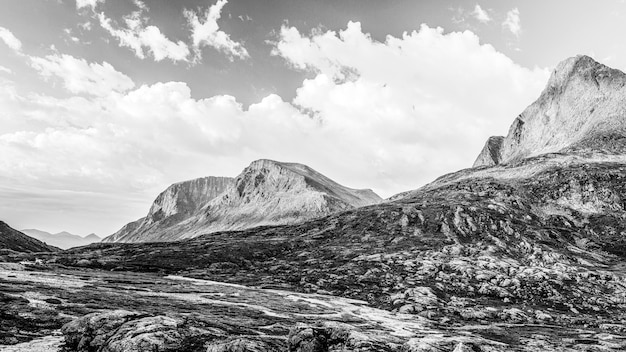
<point x="527" y="249"/>
<point x="63" y="240"/>
<point x="172" y="207"/>
<point x="265" y="193"/>
<point x="581" y="107"/>
<point x="19" y="242"/>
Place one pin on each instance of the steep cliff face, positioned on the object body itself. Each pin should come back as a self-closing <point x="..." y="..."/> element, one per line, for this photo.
<point x="266" y="193"/>
<point x="490" y="155"/>
<point x="583" y="106"/>
<point x="19" y="242"/>
<point x="173" y="206"/>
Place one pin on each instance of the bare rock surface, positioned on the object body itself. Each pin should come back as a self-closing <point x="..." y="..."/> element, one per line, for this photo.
<point x="174" y="205"/>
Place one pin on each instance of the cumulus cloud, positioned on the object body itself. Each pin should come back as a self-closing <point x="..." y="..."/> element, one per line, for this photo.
<point x="87" y="3"/>
<point x="10" y="40"/>
<point x="418" y="106"/>
<point x="79" y="76"/>
<point x="142" y="38"/>
<point x="480" y="14"/>
<point x="402" y="112"/>
<point x="512" y="22"/>
<point x="206" y="32"/>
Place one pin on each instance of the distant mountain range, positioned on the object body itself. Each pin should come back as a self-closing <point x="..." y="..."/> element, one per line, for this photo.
<point x="63" y="240"/>
<point x="17" y="241"/>
<point x="266" y="193"/>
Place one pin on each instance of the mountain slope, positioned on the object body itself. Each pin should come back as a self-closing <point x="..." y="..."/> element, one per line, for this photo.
<point x="173" y="206"/>
<point x="273" y="193"/>
<point x="582" y="103"/>
<point x="19" y="242"/>
<point x="265" y="193"/>
<point x="63" y="240"/>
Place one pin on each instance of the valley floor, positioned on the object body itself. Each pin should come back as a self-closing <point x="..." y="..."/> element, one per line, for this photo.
<point x="35" y="304"/>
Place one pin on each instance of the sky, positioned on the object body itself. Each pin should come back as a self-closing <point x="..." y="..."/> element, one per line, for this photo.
<point x="104" y="103"/>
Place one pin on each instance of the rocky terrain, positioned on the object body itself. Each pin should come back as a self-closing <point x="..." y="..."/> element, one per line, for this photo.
<point x="266" y="193"/>
<point x="523" y="253"/>
<point x="13" y="240"/>
<point x="63" y="240"/>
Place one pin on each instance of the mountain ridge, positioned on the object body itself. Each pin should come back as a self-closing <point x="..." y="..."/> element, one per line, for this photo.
<point x="63" y="239"/>
<point x="267" y="192"/>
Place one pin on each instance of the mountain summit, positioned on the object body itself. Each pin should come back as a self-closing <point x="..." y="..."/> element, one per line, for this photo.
<point x="583" y="106"/>
<point x="266" y="192"/>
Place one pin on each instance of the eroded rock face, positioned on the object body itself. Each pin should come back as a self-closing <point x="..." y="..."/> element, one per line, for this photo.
<point x="582" y="106"/>
<point x="173" y="206"/>
<point x="266" y="193"/>
<point x="275" y="193"/>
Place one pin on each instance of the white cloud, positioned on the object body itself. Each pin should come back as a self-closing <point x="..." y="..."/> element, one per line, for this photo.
<point x="402" y="112"/>
<point x="10" y="40"/>
<point x="141" y="38"/>
<point x="87" y="3"/>
<point x="480" y="14"/>
<point x="205" y="32"/>
<point x="426" y="101"/>
<point x="512" y="22"/>
<point x="5" y="70"/>
<point x="79" y="76"/>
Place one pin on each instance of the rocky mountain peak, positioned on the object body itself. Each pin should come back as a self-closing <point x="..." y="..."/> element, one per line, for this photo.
<point x="265" y="179"/>
<point x="583" y="106"/>
<point x="267" y="192"/>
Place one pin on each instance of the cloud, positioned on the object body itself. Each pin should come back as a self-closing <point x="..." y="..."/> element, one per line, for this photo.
<point x="5" y="70"/>
<point x="408" y="103"/>
<point x="481" y="15"/>
<point x="512" y="22"/>
<point x="10" y="40"/>
<point x="141" y="38"/>
<point x="79" y="76"/>
<point x="87" y="3"/>
<point x="205" y="32"/>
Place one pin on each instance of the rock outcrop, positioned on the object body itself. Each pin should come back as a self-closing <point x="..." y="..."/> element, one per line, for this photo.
<point x="17" y="241"/>
<point x="124" y="331"/>
<point x="266" y="193"/>
<point x="583" y="106"/>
